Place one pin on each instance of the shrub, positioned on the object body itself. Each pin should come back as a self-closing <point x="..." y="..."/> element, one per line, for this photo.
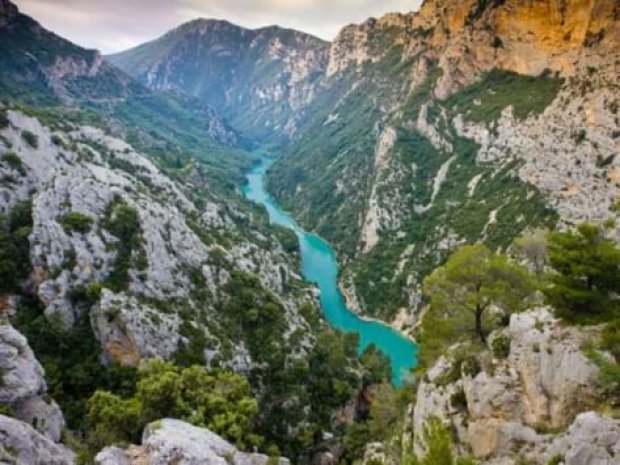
<point x="123" y="221"/>
<point x="86" y="295"/>
<point x="76" y="222"/>
<point x="436" y="440"/>
<point x="6" y="410"/>
<point x="58" y="141"/>
<point x="30" y="138"/>
<point x="4" y="119"/>
<point x="220" y="401"/>
<point x="470" y="366"/>
<point x="458" y="400"/>
<point x="501" y="346"/>
<point x="15" y="247"/>
<point x="556" y="460"/>
<point x="13" y="160"/>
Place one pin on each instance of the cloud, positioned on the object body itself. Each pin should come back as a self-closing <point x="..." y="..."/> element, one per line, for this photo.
<point x="115" y="25"/>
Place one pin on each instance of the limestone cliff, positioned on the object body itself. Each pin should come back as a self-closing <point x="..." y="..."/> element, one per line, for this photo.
<point x="81" y="172"/>
<point x="502" y="115"/>
<point x="535" y="404"/>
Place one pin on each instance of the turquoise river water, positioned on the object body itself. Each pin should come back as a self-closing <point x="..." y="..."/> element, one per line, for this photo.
<point x="319" y="266"/>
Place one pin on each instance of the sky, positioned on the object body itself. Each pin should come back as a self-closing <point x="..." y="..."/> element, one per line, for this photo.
<point x="115" y="25"/>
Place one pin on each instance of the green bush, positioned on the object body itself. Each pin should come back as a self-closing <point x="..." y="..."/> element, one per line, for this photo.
<point x="86" y="295"/>
<point x="583" y="287"/>
<point x="6" y="410"/>
<point x="58" y="141"/>
<point x="15" y="247"/>
<point x="76" y="222"/>
<point x="556" y="460"/>
<point x="219" y="400"/>
<point x="609" y="370"/>
<point x="14" y="161"/>
<point x="123" y="222"/>
<point x="458" y="400"/>
<point x="501" y="346"/>
<point x="436" y="440"/>
<point x="30" y="138"/>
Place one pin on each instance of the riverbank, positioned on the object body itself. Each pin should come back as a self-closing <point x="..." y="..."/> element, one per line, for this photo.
<point x="396" y="324"/>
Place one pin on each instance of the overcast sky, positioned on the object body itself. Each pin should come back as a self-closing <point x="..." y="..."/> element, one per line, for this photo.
<point x="115" y="25"/>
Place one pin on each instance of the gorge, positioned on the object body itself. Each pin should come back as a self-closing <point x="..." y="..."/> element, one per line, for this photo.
<point x="319" y="266"/>
<point x="170" y="218"/>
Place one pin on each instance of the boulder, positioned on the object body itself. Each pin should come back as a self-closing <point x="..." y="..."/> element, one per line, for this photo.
<point x="23" y="445"/>
<point x="168" y="442"/>
<point x="23" y="385"/>
<point x="112" y="456"/>
<point x="590" y="440"/>
<point x="558" y="380"/>
<point x="22" y="374"/>
<point x="173" y="441"/>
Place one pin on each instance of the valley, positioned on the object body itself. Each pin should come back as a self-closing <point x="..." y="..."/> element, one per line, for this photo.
<point x="255" y="246"/>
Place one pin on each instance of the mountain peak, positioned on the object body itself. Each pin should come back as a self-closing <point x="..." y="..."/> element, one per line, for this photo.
<point x="8" y="11"/>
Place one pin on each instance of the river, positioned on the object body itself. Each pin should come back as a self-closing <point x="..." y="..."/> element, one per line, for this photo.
<point x="319" y="266"/>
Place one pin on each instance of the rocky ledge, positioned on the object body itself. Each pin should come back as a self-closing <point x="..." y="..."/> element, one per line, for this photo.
<point x="535" y="402"/>
<point x="169" y="441"/>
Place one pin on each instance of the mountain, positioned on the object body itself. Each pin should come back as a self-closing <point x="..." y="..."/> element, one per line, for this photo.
<point x="462" y="122"/>
<point x="40" y="69"/>
<point x="123" y="239"/>
<point x="396" y="142"/>
<point x="144" y="301"/>
<point x="258" y="79"/>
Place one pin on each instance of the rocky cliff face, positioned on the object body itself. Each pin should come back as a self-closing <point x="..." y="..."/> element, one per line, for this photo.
<point x="31" y="424"/>
<point x="470" y="37"/>
<point x="533" y="405"/>
<point x="81" y="171"/>
<point x="473" y="120"/>
<point x="258" y="78"/>
<point x="23" y="388"/>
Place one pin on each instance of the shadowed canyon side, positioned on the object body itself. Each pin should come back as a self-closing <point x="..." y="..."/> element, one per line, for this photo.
<point x="461" y="163"/>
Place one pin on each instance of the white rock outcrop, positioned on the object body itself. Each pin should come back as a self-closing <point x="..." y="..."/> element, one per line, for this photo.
<point x="22" y="385"/>
<point x="167" y="442"/>
<point x="21" y="444"/>
<point x="506" y="410"/>
<point x="82" y="170"/>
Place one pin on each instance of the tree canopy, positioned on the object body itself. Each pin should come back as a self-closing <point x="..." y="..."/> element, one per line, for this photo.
<point x="474" y="280"/>
<point x="585" y="284"/>
<point x="218" y="400"/>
